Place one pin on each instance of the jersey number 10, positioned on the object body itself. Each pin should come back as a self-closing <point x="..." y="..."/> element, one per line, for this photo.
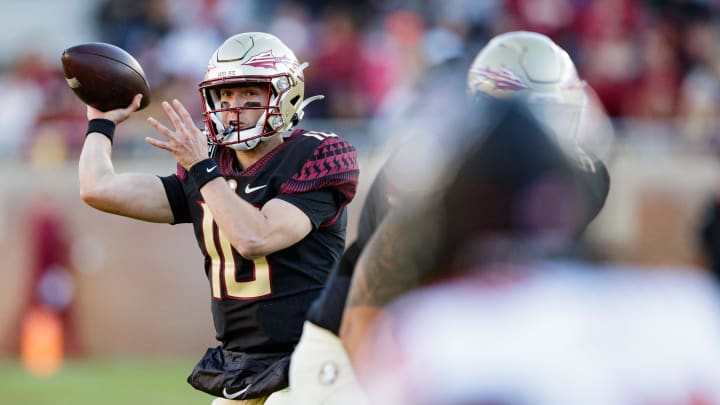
<point x="222" y="265"/>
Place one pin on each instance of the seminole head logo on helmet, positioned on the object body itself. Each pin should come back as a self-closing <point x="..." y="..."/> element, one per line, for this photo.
<point x="267" y="60"/>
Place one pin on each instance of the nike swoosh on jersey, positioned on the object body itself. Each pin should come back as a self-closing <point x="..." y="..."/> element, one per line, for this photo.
<point x="210" y="169"/>
<point x="249" y="189"/>
<point x="235" y="395"/>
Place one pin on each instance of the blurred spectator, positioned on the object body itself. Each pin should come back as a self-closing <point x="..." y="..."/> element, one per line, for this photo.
<point x="21" y="103"/>
<point x="699" y="104"/>
<point x="553" y="18"/>
<point x="340" y="66"/>
<point x="47" y="330"/>
<point x="130" y="24"/>
<point x="607" y="50"/>
<point x="292" y="21"/>
<point x="179" y="49"/>
<point x="59" y="126"/>
<point x="653" y="93"/>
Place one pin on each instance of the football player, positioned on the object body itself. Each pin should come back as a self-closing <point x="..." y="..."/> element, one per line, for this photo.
<point x="540" y="72"/>
<point x="267" y="203"/>
<point x="517" y="65"/>
<point x="508" y="317"/>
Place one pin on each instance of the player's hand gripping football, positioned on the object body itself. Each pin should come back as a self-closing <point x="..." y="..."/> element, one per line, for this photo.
<point x="118" y="115"/>
<point x="186" y="143"/>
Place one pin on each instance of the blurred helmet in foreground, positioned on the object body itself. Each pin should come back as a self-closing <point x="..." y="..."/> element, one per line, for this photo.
<point x="530" y="65"/>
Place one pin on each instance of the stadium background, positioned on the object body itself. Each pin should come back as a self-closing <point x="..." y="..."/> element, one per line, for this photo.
<point x="138" y="290"/>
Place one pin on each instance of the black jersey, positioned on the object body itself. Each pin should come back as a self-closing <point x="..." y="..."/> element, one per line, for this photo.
<point x="260" y="305"/>
<point x="327" y="310"/>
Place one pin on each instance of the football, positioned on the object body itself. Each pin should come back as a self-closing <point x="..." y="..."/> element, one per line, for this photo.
<point x="104" y="76"/>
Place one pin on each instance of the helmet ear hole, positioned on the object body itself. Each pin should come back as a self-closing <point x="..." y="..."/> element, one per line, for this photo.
<point x="295" y="117"/>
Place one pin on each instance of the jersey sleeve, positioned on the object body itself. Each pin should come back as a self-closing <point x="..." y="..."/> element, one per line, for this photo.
<point x="330" y="169"/>
<point x="321" y="206"/>
<point x="176" y="197"/>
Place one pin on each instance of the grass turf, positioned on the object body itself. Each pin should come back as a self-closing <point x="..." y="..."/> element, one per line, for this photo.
<point x="107" y="382"/>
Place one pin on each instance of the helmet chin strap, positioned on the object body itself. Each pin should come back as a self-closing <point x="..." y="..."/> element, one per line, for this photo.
<point x="248" y="144"/>
<point x="253" y="132"/>
<point x="224" y="133"/>
<point x="301" y="110"/>
<point x="245" y="145"/>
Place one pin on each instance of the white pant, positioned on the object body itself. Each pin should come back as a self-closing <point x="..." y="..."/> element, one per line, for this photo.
<point x="320" y="371"/>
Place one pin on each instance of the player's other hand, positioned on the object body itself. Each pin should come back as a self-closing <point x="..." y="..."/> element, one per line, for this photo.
<point x="186" y="143"/>
<point x="117" y="116"/>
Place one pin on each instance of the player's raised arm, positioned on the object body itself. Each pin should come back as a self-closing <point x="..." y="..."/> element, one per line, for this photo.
<point x="135" y="195"/>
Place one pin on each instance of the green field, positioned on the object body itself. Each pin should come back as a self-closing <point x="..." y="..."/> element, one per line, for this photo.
<point x="106" y="382"/>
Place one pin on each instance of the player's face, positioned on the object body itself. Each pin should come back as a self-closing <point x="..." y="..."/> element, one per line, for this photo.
<point x="249" y="98"/>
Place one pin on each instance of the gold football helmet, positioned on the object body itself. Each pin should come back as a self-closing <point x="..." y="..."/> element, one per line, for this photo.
<point x="261" y="59"/>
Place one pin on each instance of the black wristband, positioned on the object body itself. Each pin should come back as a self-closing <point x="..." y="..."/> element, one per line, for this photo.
<point x="203" y="171"/>
<point x="102" y="126"/>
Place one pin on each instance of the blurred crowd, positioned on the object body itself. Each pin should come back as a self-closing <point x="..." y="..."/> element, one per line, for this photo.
<point x="646" y="59"/>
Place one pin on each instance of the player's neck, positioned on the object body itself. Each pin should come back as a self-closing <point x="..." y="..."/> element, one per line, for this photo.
<point x="246" y="158"/>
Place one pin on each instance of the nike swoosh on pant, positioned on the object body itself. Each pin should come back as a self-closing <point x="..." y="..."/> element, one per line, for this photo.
<point x="235" y="395"/>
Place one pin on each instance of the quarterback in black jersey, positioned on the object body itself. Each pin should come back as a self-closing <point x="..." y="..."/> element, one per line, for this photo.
<point x="267" y="204"/>
<point x="259" y="303"/>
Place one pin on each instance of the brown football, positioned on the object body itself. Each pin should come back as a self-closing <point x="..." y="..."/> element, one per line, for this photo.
<point x="104" y="76"/>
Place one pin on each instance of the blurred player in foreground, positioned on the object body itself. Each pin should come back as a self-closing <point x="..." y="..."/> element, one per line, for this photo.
<point x="425" y="145"/>
<point x="510" y="317"/>
<point x="517" y="65"/>
<point x="267" y="206"/>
